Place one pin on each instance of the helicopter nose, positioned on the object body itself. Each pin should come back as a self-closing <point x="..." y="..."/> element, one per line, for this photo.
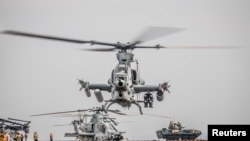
<point x="120" y="83"/>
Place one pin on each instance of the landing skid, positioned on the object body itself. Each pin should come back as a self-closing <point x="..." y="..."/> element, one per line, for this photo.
<point x="139" y="106"/>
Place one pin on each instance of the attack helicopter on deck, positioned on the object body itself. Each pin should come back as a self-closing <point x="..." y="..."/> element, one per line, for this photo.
<point x="100" y="126"/>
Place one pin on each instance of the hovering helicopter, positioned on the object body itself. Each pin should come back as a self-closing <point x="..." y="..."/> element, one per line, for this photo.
<point x="100" y="127"/>
<point x="125" y="82"/>
<point x="15" y="124"/>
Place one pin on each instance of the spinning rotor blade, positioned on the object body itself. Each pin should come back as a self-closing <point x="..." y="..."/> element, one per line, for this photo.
<point x="61" y="112"/>
<point x="146" y="114"/>
<point x="154" y="32"/>
<point x="25" y="34"/>
<point x="100" y="49"/>
<point x="201" y="47"/>
<point x="69" y="115"/>
<point x="126" y="47"/>
<point x="146" y="47"/>
<point x="66" y="115"/>
<point x="117" y="112"/>
<point x="150" y="33"/>
<point x="17" y="33"/>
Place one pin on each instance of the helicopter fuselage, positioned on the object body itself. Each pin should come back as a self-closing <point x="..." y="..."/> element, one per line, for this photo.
<point x="124" y="84"/>
<point x="99" y="128"/>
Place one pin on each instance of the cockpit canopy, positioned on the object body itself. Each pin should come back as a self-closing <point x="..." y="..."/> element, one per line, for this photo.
<point x="121" y="76"/>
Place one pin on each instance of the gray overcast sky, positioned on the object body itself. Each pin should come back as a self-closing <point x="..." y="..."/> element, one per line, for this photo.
<point x="208" y="86"/>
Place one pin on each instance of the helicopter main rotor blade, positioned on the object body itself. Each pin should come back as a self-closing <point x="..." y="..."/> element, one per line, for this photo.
<point x="117" y="112"/>
<point x="68" y="115"/>
<point x="127" y="47"/>
<point x="100" y="49"/>
<point x="25" y="34"/>
<point x="147" y="47"/>
<point x="201" y="47"/>
<point x="147" y="114"/>
<point x="150" y="33"/>
<point x="154" y="32"/>
<point x="60" y="112"/>
<point x="18" y="33"/>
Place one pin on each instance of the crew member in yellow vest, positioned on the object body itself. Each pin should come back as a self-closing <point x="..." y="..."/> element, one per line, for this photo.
<point x="18" y="136"/>
<point x="35" y="136"/>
